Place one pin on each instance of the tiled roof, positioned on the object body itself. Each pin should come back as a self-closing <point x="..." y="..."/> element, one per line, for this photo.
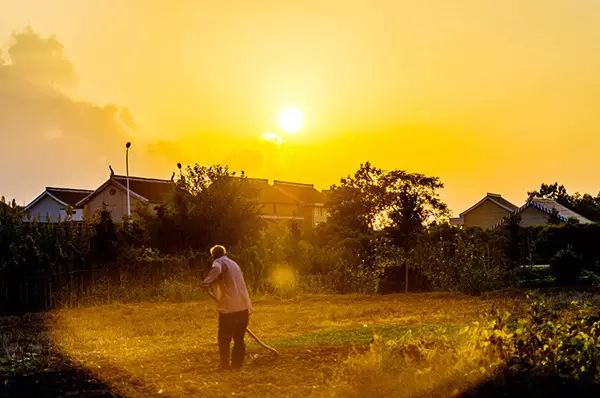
<point x="68" y="195"/>
<point x="494" y="198"/>
<point x="548" y="205"/>
<point x="152" y="190"/>
<point x="155" y="190"/>
<point x="499" y="199"/>
<point x="287" y="192"/>
<point x="65" y="196"/>
<point x="305" y="193"/>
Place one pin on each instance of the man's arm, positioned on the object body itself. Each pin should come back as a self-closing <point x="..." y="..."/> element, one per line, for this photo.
<point x="212" y="276"/>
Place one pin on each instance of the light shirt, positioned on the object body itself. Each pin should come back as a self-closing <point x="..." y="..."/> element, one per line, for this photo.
<point x="227" y="281"/>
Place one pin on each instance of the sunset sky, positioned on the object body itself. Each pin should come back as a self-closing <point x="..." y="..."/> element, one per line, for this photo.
<point x="491" y="96"/>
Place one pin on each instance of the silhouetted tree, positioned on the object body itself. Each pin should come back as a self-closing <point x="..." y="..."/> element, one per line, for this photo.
<point x="104" y="242"/>
<point x="209" y="205"/>
<point x="395" y="202"/>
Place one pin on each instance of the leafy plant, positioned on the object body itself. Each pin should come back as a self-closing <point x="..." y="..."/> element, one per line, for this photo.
<point x="566" y="266"/>
<point x="549" y="349"/>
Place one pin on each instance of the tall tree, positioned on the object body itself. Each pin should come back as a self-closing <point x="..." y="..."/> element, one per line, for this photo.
<point x="411" y="203"/>
<point x="395" y="204"/>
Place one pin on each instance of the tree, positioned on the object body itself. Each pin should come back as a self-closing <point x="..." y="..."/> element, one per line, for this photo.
<point x="373" y="213"/>
<point x="411" y="204"/>
<point x="552" y="191"/>
<point x="356" y="203"/>
<point x="104" y="242"/>
<point x="209" y="205"/>
<point x="395" y="202"/>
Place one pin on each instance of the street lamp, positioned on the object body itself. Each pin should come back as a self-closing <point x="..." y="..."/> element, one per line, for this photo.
<point x="127" y="146"/>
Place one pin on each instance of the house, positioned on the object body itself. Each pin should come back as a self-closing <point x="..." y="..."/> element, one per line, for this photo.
<point x="284" y="200"/>
<point x="55" y="204"/>
<point x="112" y="195"/>
<point x="538" y="211"/>
<point x="486" y="213"/>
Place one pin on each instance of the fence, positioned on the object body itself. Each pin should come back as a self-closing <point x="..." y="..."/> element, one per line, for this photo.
<point x="101" y="284"/>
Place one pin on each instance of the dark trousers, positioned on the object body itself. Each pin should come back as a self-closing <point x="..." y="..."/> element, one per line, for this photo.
<point x="232" y="326"/>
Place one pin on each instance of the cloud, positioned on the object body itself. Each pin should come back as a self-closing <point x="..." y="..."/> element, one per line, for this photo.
<point x="40" y="60"/>
<point x="271" y="137"/>
<point x="44" y="128"/>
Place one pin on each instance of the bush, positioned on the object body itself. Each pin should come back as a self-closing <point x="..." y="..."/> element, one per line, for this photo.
<point x="438" y="363"/>
<point x="547" y="352"/>
<point x="470" y="261"/>
<point x="566" y="266"/>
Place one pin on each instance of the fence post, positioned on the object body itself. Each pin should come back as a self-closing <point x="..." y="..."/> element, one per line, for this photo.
<point x="406" y="278"/>
<point x="50" y="292"/>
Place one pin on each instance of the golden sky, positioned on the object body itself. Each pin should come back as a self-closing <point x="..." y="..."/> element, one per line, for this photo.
<point x="491" y="96"/>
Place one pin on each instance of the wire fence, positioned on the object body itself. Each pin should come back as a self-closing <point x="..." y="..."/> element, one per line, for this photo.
<point x="171" y="279"/>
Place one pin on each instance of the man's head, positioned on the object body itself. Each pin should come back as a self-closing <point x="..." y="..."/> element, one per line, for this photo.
<point x="217" y="251"/>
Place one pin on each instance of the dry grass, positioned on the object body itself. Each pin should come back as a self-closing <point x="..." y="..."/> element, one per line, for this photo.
<point x="147" y="349"/>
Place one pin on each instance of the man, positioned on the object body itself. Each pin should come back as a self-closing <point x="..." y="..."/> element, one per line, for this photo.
<point x="226" y="280"/>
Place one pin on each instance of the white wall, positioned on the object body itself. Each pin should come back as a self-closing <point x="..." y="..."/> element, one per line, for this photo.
<point x="46" y="205"/>
<point x="53" y="209"/>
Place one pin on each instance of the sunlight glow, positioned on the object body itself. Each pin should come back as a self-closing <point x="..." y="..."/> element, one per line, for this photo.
<point x="282" y="277"/>
<point x="271" y="137"/>
<point x="291" y="120"/>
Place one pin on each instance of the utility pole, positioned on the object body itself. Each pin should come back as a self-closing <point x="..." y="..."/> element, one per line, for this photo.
<point x="127" y="146"/>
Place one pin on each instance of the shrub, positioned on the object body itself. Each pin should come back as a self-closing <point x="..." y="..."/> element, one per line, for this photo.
<point x="566" y="266"/>
<point x="437" y="363"/>
<point x="547" y="352"/>
<point x="469" y="261"/>
<point x="175" y="291"/>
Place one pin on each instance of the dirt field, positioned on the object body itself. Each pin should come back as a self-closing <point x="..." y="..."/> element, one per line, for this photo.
<point x="150" y="349"/>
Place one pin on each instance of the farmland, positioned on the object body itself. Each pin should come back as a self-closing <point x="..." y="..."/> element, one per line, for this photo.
<point x="170" y="348"/>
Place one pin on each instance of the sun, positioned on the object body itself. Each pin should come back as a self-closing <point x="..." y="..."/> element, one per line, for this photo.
<point x="291" y="120"/>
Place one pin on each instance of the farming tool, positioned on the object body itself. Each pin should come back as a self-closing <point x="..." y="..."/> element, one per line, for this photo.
<point x="251" y="333"/>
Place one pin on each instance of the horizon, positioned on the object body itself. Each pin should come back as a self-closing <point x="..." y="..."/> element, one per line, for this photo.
<point x="489" y="97"/>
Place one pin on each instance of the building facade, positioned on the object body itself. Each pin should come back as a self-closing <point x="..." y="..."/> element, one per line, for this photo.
<point x="485" y="213"/>
<point x="493" y="211"/>
<point x="112" y="195"/>
<point x="540" y="211"/>
<point x="56" y="204"/>
<point x="291" y="201"/>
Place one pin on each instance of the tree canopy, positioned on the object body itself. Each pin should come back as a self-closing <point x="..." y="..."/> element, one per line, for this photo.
<point x="209" y="205"/>
<point x="396" y="202"/>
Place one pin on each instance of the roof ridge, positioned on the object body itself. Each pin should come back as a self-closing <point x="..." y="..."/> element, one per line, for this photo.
<point x="141" y="178"/>
<point x="69" y="189"/>
<point x="288" y="194"/>
<point x="491" y="197"/>
<point x="541" y="206"/>
<point x="254" y="179"/>
<point x="301" y="184"/>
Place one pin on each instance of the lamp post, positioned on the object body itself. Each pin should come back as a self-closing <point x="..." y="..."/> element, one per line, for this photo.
<point x="127" y="146"/>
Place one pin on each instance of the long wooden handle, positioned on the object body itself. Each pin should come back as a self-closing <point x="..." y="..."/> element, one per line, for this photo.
<point x="250" y="332"/>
